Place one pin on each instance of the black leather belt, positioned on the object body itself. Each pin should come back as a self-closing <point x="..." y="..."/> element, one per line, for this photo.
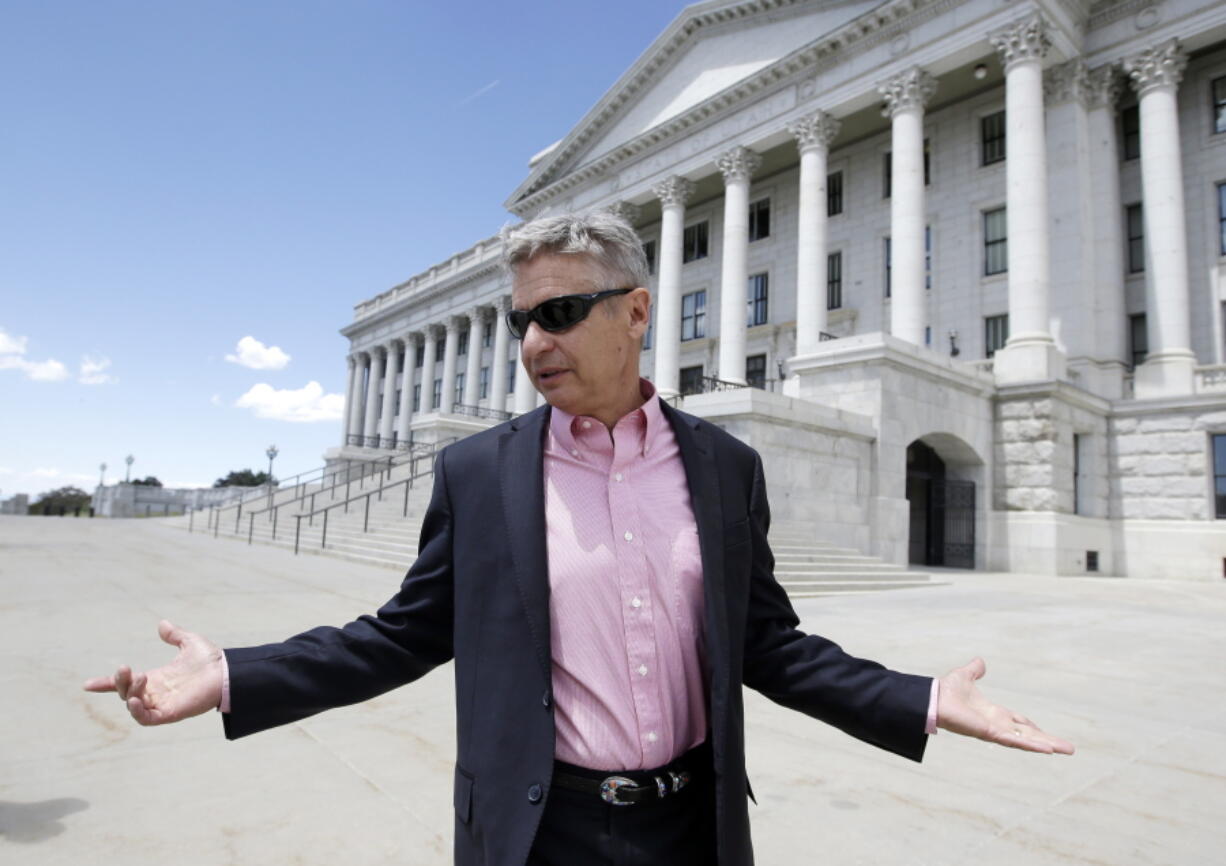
<point x="631" y="787"/>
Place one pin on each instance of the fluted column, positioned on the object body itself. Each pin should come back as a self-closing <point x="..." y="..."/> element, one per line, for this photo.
<point x="1030" y="353"/>
<point x="737" y="166"/>
<point x="353" y="398"/>
<point x="378" y="357"/>
<point x="498" y="387"/>
<point x="390" y="379"/>
<point x="450" y="348"/>
<point x="1169" y="367"/>
<point x="411" y="342"/>
<point x="1110" y="314"/>
<point x="906" y="95"/>
<point x="813" y="136"/>
<point x="673" y="194"/>
<point x="525" y="393"/>
<point x="472" y="369"/>
<point x="428" y="363"/>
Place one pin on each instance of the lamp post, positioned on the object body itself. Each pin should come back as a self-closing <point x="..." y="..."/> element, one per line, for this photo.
<point x="272" y="455"/>
<point x="102" y="475"/>
<point x="127" y="478"/>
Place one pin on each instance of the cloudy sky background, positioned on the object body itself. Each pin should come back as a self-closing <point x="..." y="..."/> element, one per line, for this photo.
<point x="193" y="196"/>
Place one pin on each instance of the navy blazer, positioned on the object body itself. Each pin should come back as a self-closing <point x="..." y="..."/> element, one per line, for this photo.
<point x="479" y="593"/>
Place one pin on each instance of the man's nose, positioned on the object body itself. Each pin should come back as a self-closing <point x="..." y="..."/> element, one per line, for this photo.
<point x="536" y="340"/>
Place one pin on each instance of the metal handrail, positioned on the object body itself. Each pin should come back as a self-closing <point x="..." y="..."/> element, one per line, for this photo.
<point x="480" y="412"/>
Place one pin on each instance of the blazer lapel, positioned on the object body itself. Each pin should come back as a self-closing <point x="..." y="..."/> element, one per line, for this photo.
<point x="522" y="486"/>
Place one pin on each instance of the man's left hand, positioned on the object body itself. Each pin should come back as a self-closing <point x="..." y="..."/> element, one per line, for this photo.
<point x="961" y="708"/>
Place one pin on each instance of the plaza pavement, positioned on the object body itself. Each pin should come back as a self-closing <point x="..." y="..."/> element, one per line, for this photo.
<point x="1129" y="670"/>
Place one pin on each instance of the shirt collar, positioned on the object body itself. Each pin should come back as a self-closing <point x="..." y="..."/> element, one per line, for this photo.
<point x="565" y="427"/>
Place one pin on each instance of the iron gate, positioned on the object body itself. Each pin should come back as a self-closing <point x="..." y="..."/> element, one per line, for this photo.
<point x="953" y="509"/>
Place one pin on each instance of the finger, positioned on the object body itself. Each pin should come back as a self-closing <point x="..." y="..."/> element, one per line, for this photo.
<point x="1017" y="739"/>
<point x="123" y="681"/>
<point x="976" y="667"/>
<point x="100" y="684"/>
<point x="138" y="685"/>
<point x="143" y="714"/>
<point x="171" y="633"/>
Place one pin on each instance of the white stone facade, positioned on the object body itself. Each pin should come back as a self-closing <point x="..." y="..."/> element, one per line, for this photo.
<point x="1061" y="449"/>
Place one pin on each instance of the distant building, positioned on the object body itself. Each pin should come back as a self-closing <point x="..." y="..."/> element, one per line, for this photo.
<point x="19" y="504"/>
<point x="969" y="257"/>
<point x="139" y="500"/>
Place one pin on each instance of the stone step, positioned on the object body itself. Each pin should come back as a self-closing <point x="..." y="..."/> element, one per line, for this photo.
<point x="852" y="586"/>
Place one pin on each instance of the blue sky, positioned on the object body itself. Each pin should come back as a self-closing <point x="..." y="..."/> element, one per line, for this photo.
<point x="176" y="177"/>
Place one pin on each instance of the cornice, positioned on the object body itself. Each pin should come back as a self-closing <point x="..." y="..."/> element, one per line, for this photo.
<point x="1109" y="11"/>
<point x="887" y="22"/>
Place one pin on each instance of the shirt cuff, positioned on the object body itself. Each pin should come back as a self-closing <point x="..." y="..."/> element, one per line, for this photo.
<point x="224" y="706"/>
<point x="930" y="727"/>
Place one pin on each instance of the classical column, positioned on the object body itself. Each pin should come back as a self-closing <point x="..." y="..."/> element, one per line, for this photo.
<point x="1030" y="353"/>
<point x="1169" y="367"/>
<point x="737" y="166"/>
<point x="673" y="194"/>
<point x="498" y="372"/>
<point x="390" y="379"/>
<point x="411" y="342"/>
<point x="450" y="350"/>
<point x="378" y="357"/>
<point x="472" y="369"/>
<point x="813" y="136"/>
<point x="1111" y="316"/>
<point x="428" y="363"/>
<point x="905" y="95"/>
<point x="353" y="397"/>
<point x="525" y="393"/>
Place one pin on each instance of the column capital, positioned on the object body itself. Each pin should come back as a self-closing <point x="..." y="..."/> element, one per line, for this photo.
<point x="412" y="339"/>
<point x="502" y="305"/>
<point x="1103" y="86"/>
<point x="739" y="163"/>
<point x="676" y="190"/>
<point x="1067" y="82"/>
<point x="910" y="89"/>
<point x="1021" y="41"/>
<point x="1160" y="66"/>
<point x="453" y="323"/>
<point x="625" y="210"/>
<point x="815" y="131"/>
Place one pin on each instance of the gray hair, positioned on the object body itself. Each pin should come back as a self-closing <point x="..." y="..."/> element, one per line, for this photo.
<point x="609" y="241"/>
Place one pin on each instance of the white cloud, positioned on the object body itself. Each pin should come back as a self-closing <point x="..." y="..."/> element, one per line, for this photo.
<point x="93" y="371"/>
<point x="251" y="353"/>
<point x="35" y="482"/>
<point x="12" y="352"/>
<point x="305" y="405"/>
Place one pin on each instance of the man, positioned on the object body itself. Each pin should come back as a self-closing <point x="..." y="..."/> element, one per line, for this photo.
<point x="599" y="571"/>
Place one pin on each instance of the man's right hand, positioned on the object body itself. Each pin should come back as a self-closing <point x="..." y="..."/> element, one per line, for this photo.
<point x="188" y="686"/>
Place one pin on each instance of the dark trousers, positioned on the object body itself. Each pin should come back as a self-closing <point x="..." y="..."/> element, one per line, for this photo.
<point x="677" y="830"/>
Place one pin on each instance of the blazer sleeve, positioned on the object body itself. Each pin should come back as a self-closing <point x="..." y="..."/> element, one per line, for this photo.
<point x="326" y="667"/>
<point x="815" y="676"/>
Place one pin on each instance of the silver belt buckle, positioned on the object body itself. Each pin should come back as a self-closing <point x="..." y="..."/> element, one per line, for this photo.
<point x="610" y="786"/>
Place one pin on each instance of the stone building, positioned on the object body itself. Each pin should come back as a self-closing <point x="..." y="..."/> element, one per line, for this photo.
<point x="968" y="256"/>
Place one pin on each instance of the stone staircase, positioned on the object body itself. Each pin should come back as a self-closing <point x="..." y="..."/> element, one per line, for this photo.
<point x="808" y="567"/>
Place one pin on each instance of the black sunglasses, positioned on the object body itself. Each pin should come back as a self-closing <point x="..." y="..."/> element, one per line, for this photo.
<point x="557" y="314"/>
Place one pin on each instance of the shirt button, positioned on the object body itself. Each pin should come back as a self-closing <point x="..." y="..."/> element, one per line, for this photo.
<point x="629" y="536"/>
<point x="587" y="425"/>
<point x="535" y="792"/>
<point x="574" y="453"/>
<point x="637" y="602"/>
<point x="642" y="670"/>
<point x="651" y="738"/>
<point x="617" y="477"/>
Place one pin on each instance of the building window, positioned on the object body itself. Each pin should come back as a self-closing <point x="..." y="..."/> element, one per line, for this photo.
<point x="756" y="299"/>
<point x="834" y="193"/>
<point x="995" y="242"/>
<point x="417" y="398"/>
<point x="1079" y="441"/>
<point x="511" y="369"/>
<point x="691" y="380"/>
<point x="487" y="335"/>
<point x="1221" y="217"/>
<point x="483" y="384"/>
<point x="887" y="165"/>
<point x="834" y="281"/>
<point x="1219" y="104"/>
<point x="995" y="334"/>
<point x="463" y="343"/>
<point x="755" y="371"/>
<point x="458" y="395"/>
<point x="440" y="348"/>
<point x="992" y="138"/>
<point x="436" y="396"/>
<point x="927" y="335"/>
<point x="927" y="257"/>
<point x="420" y="355"/>
<point x="1136" y="239"/>
<point x="694" y="242"/>
<point x="888" y="269"/>
<point x="1219" y="475"/>
<point x="396" y="404"/>
<point x="649" y="252"/>
<point x="1138" y="338"/>
<point x="759" y="219"/>
<point x="694" y="315"/>
<point x="1130" y="123"/>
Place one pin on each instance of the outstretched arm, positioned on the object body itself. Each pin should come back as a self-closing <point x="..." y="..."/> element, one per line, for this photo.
<point x="961" y="708"/>
<point x="188" y="686"/>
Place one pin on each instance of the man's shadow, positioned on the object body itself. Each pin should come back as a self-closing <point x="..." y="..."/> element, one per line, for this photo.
<point x="36" y="822"/>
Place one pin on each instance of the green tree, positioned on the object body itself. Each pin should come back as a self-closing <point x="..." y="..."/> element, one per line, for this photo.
<point x="149" y="481"/>
<point x="243" y="478"/>
<point x="67" y="498"/>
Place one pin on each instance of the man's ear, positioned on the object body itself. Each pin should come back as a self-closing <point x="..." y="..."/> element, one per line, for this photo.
<point x="638" y="307"/>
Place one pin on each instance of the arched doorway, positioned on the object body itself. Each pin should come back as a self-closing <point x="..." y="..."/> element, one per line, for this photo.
<point x="942" y="511"/>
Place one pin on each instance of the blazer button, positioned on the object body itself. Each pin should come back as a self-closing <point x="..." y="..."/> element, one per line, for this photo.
<point x="535" y="793"/>
<point x="546" y="700"/>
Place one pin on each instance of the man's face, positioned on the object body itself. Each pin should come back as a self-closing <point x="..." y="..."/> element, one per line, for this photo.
<point x="591" y="368"/>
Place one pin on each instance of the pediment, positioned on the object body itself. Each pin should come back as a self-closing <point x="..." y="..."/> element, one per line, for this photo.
<point x="709" y="48"/>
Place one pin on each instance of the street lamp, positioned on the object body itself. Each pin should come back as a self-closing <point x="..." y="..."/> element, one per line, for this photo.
<point x="102" y="476"/>
<point x="128" y="476"/>
<point x="272" y="454"/>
